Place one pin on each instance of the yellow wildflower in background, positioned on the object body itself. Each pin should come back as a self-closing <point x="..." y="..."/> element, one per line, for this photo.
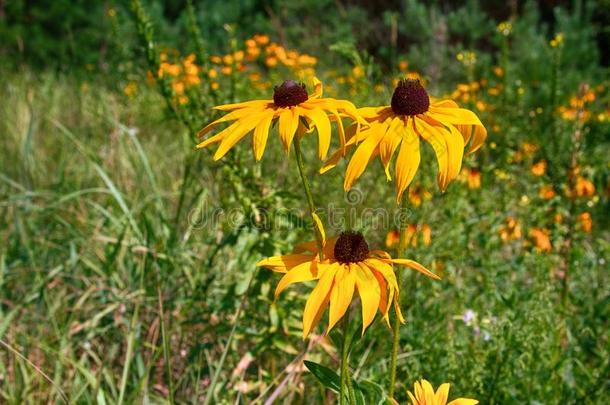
<point x="290" y="105"/>
<point x="348" y="266"/>
<point x="411" y="116"/>
<point x="423" y="394"/>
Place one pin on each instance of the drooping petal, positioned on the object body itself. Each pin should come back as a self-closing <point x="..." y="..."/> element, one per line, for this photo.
<point x="384" y="302"/>
<point x="317" y="301"/>
<point x="478" y="138"/>
<point x="416" y="266"/>
<point x="369" y="291"/>
<point x="289" y="121"/>
<point x="341" y="295"/>
<point x="261" y="133"/>
<point x="455" y="146"/>
<point x="407" y="161"/>
<point x="390" y="142"/>
<point x="435" y="138"/>
<point x="219" y="136"/>
<point x="386" y="270"/>
<point x="303" y="272"/>
<point x="322" y="124"/>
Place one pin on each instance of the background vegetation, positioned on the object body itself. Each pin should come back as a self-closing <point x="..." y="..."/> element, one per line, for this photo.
<point x="116" y="286"/>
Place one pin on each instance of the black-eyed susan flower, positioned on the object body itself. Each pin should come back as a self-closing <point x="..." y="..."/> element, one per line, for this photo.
<point x="291" y="106"/>
<point x="410" y="117"/>
<point x="424" y="395"/>
<point x="348" y="266"/>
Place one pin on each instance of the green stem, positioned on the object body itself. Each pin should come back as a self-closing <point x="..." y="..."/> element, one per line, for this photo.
<point x="307" y="189"/>
<point x="396" y="326"/>
<point x="345" y="377"/>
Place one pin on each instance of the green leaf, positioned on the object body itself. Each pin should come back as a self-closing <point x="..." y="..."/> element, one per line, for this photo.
<point x="325" y="375"/>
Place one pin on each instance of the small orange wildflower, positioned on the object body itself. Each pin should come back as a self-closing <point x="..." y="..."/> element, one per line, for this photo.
<point x="538" y="169"/>
<point x="541" y="239"/>
<point x="586" y="222"/>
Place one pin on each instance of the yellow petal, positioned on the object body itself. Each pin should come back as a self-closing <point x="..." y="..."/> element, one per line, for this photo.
<point x="373" y="113"/>
<point x="455" y="146"/>
<point x="261" y="133"/>
<point x="438" y="143"/>
<point x="416" y="266"/>
<point x="317" y="86"/>
<point x="463" y="401"/>
<point x="478" y="137"/>
<point x="390" y="142"/>
<point x="407" y="161"/>
<point x="322" y="123"/>
<point x="284" y="263"/>
<point x="369" y="291"/>
<point x="289" y="121"/>
<point x="317" y="301"/>
<point x="319" y="227"/>
<point x="244" y="127"/>
<point x="428" y="392"/>
<point x="258" y="104"/>
<point x="219" y="136"/>
<point x="385" y="269"/>
<point x="234" y="115"/>
<point x="341" y="295"/>
<point x="454" y="116"/>
<point x="442" y="393"/>
<point x="364" y="153"/>
<point x="303" y="272"/>
<point x="384" y="302"/>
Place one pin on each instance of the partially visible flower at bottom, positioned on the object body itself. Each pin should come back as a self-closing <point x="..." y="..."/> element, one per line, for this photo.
<point x="348" y="265"/>
<point x="424" y="395"/>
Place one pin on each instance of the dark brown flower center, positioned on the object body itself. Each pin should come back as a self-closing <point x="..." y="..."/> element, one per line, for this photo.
<point x="351" y="247"/>
<point x="289" y="93"/>
<point x="410" y="98"/>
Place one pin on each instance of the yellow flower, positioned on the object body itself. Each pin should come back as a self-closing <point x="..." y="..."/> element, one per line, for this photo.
<point x="411" y="116"/>
<point x="348" y="265"/>
<point x="425" y="395"/>
<point x="291" y="106"/>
